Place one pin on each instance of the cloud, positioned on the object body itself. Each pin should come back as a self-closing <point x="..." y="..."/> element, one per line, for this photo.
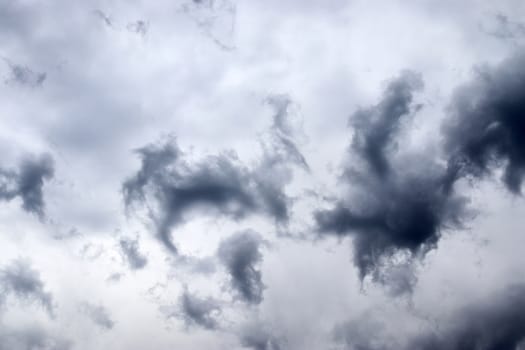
<point x="218" y="184"/>
<point x="258" y="337"/>
<point x="400" y="203"/>
<point x="31" y="338"/>
<point x="27" y="183"/>
<point x="20" y="280"/>
<point x="496" y="324"/>
<point x="487" y="122"/>
<point x="23" y="75"/>
<point x="241" y="254"/>
<point x="98" y="314"/>
<point x="129" y="249"/>
<point x="196" y="311"/>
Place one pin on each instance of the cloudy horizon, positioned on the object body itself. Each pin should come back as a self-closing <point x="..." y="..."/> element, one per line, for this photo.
<point x="278" y="175"/>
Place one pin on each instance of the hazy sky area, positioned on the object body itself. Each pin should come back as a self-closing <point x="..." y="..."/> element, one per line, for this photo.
<point x="265" y="175"/>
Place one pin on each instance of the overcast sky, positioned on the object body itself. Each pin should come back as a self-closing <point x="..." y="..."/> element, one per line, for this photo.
<point x="266" y="175"/>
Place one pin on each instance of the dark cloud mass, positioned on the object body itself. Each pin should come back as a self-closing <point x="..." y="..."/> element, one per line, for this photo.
<point x="131" y="253"/>
<point x="486" y="129"/>
<point x="241" y="254"/>
<point x="27" y="183"/>
<point x="218" y="184"/>
<point x="400" y="205"/>
<point x="20" y="280"/>
<point x="497" y="325"/>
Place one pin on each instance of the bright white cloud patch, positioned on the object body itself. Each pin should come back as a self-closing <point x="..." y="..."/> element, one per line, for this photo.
<point x="222" y="174"/>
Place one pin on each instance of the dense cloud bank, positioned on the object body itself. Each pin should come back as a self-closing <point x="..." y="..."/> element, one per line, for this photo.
<point x="404" y="202"/>
<point x="399" y="204"/>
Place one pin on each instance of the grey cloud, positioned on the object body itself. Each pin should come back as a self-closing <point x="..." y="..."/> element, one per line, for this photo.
<point x="218" y="184"/>
<point x="198" y="311"/>
<point x="23" y="75"/>
<point x="130" y="251"/>
<point x="31" y="338"/>
<point x="20" y="280"/>
<point x="27" y="183"/>
<point x="98" y="314"/>
<point x="104" y="17"/>
<point x="241" y="254"/>
<point x="258" y="337"/>
<point x="375" y="127"/>
<point x="140" y="27"/>
<point x="505" y="28"/>
<point x="398" y="206"/>
<point x="497" y="324"/>
<point x="486" y="126"/>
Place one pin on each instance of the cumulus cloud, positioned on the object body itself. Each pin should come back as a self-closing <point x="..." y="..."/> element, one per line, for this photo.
<point x="27" y="182"/>
<point x="487" y="123"/>
<point x="398" y="205"/>
<point x="130" y="251"/>
<point x="20" y="280"/>
<point x="240" y="254"/>
<point x="98" y="314"/>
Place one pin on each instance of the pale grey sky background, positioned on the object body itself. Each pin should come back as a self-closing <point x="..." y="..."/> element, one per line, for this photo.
<point x="171" y="173"/>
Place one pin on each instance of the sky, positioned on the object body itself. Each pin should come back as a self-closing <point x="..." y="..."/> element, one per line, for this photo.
<point x="277" y="175"/>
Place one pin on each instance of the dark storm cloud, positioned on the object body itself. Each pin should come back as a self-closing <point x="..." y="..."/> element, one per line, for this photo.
<point x="27" y="183"/>
<point x="495" y="325"/>
<point x="375" y="127"/>
<point x="196" y="311"/>
<point x="130" y="251"/>
<point x="20" y="280"/>
<point x="398" y="206"/>
<point x="486" y="129"/>
<point x="218" y="184"/>
<point x="240" y="254"/>
<point x="98" y="314"/>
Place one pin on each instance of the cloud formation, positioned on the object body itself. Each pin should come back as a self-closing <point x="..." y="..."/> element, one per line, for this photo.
<point x="98" y="314"/>
<point x="486" y="127"/>
<point x="130" y="251"/>
<point x="196" y="311"/>
<point x="397" y="205"/>
<point x="240" y="254"/>
<point x="20" y="280"/>
<point x="218" y="184"/>
<point x="27" y="182"/>
<point x="496" y="324"/>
